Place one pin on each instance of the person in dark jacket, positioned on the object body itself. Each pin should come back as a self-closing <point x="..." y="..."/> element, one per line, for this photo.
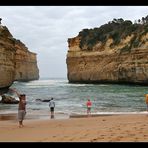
<point x="52" y="106"/>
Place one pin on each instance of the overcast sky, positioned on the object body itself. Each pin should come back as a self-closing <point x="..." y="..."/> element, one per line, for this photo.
<point x="46" y="29"/>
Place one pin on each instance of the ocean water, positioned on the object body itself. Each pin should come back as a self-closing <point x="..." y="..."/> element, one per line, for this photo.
<point x="71" y="98"/>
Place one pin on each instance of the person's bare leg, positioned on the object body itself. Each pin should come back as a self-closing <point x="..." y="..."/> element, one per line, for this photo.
<point x="20" y="124"/>
<point x="87" y="113"/>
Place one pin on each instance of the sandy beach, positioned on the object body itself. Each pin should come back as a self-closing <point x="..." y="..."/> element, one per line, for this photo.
<point x="111" y="128"/>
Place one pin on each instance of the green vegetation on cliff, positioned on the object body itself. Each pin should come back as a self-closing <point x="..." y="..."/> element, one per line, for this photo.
<point x="117" y="30"/>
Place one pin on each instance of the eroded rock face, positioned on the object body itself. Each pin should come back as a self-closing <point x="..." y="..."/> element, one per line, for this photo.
<point x="7" y="58"/>
<point x="104" y="64"/>
<point x="25" y="63"/>
<point x="16" y="61"/>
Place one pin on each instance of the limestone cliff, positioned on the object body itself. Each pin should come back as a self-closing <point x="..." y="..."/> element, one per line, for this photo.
<point x="25" y="63"/>
<point x="16" y="61"/>
<point x="116" y="52"/>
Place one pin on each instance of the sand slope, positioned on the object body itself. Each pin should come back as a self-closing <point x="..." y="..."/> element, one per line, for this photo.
<point x="113" y="128"/>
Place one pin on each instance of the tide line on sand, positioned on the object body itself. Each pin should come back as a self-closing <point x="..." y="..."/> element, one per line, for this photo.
<point x="74" y="115"/>
<point x="13" y="116"/>
<point x="8" y="116"/>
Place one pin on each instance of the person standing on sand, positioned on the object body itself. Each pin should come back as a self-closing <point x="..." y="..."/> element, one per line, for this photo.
<point x="0" y="21"/>
<point x="52" y="106"/>
<point x="146" y="101"/>
<point x="21" y="107"/>
<point x="89" y="105"/>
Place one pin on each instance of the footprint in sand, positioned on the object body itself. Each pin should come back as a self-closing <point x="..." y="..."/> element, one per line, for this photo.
<point x="93" y="140"/>
<point x="54" y="136"/>
<point x="131" y="134"/>
<point x="102" y="135"/>
<point x="136" y="139"/>
<point x="141" y="128"/>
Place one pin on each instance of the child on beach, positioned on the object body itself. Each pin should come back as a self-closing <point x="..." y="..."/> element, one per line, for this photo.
<point x="21" y="107"/>
<point x="88" y="104"/>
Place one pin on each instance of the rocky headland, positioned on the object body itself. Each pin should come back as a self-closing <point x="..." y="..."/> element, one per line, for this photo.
<point x="116" y="52"/>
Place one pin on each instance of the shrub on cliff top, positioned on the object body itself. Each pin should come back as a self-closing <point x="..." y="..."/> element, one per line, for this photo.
<point x="116" y="29"/>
